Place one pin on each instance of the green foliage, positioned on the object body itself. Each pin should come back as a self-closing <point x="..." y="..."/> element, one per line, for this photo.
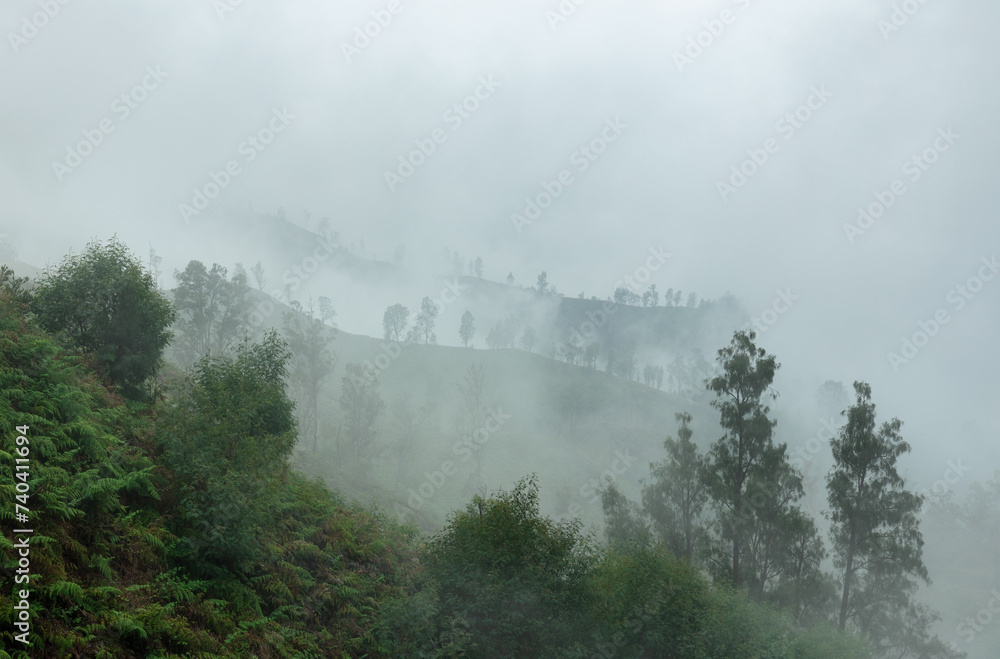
<point x="226" y="438"/>
<point x="177" y="529"/>
<point x="747" y="374"/>
<point x="107" y="304"/>
<point x="312" y="362"/>
<point x="212" y="310"/>
<point x="107" y="577"/>
<point x="517" y="579"/>
<point x="676" y="496"/>
<point x="14" y="286"/>
<point x="362" y="406"/>
<point x="875" y="524"/>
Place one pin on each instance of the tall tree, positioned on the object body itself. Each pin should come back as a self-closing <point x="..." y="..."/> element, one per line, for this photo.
<point x="362" y="406"/>
<point x="747" y="374"/>
<point x="108" y="304"/>
<point x="651" y="297"/>
<point x="423" y="326"/>
<point x="771" y="519"/>
<point x="625" y="524"/>
<point x="675" y="497"/>
<point x="394" y="322"/>
<point x="326" y="310"/>
<point x="877" y="543"/>
<point x="467" y="329"/>
<point x="258" y="276"/>
<point x="543" y="283"/>
<point x="154" y="265"/>
<point x="312" y="362"/>
<point x="212" y="310"/>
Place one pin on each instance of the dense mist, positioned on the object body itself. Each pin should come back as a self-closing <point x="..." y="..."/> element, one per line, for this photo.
<point x="579" y="204"/>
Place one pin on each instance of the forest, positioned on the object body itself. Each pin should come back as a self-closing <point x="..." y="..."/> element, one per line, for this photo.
<point x="196" y="482"/>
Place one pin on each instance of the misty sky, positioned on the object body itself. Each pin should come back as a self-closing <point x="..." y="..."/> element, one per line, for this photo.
<point x="216" y="74"/>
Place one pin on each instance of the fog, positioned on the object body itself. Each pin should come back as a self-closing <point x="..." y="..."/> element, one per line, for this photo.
<point x="829" y="165"/>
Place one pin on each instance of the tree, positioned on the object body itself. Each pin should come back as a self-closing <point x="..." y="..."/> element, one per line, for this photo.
<point x="624" y="295"/>
<point x="394" y="322"/>
<point x="107" y="304"/>
<point x="503" y="334"/>
<point x="651" y="297"/>
<point x="625" y="524"/>
<point x="668" y="298"/>
<point x="476" y="267"/>
<point x="467" y="329"/>
<point x="362" y="406"/>
<point x="258" y="276"/>
<point x="312" y="362"/>
<point x="510" y="278"/>
<point x="326" y="310"/>
<point x="212" y="310"/>
<point x="678" y="296"/>
<point x="543" y="283"/>
<point x="409" y="423"/>
<point x="423" y="327"/>
<point x="517" y="579"/>
<point x="875" y="528"/>
<point x="13" y="286"/>
<point x="528" y="339"/>
<point x="675" y="498"/>
<point x="624" y="364"/>
<point x="771" y="520"/>
<point x="692" y="301"/>
<point x="747" y="374"/>
<point x="226" y="436"/>
<point x="154" y="265"/>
